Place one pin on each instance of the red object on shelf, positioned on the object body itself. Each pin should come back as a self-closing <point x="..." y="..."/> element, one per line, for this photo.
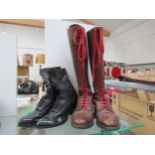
<point x="115" y="72"/>
<point x="111" y="90"/>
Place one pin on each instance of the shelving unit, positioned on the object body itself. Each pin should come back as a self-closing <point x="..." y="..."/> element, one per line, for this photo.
<point x="127" y="85"/>
<point x="141" y="66"/>
<point x="65" y="129"/>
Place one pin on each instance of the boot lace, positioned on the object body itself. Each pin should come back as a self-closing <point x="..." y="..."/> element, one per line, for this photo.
<point x="79" y="40"/>
<point x="97" y="64"/>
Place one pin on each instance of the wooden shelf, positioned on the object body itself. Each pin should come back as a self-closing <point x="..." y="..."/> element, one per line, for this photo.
<point x="24" y="22"/>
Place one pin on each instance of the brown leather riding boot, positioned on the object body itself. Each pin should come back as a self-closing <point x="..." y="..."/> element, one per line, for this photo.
<point x="82" y="117"/>
<point x="105" y="116"/>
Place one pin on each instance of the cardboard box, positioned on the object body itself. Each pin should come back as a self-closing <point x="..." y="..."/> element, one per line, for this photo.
<point x="138" y="109"/>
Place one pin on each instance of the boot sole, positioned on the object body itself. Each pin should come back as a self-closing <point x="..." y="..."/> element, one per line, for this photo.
<point x="108" y="128"/>
<point x="85" y="126"/>
<point x="27" y="125"/>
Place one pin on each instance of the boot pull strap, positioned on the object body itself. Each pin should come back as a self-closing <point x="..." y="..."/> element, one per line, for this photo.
<point x="98" y="49"/>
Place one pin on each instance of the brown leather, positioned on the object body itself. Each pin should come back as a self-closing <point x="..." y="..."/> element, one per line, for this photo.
<point x="83" y="114"/>
<point x="105" y="116"/>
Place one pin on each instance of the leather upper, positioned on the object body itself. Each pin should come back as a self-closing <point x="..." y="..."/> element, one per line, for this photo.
<point x="104" y="113"/>
<point x="45" y="103"/>
<point x="63" y="104"/>
<point x="83" y="114"/>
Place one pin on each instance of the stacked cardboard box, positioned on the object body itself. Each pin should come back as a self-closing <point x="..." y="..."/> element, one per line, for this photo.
<point x="137" y="105"/>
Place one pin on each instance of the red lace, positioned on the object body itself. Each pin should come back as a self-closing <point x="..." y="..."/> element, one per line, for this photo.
<point x="97" y="64"/>
<point x="79" y="40"/>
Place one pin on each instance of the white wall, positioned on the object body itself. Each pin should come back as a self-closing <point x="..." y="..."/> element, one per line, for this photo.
<point x="7" y="74"/>
<point x="29" y="40"/>
<point x="132" y="43"/>
<point x="57" y="46"/>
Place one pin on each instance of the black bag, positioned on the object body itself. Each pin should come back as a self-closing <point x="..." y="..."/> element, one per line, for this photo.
<point x="28" y="87"/>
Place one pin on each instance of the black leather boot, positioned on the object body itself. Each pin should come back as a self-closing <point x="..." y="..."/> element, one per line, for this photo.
<point x="64" y="104"/>
<point x="28" y="87"/>
<point x="45" y="103"/>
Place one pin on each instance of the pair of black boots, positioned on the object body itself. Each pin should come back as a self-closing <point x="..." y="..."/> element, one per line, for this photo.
<point x="59" y="101"/>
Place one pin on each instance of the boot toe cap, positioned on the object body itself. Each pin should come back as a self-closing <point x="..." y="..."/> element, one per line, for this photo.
<point x="44" y="122"/>
<point x="80" y="121"/>
<point x="82" y="118"/>
<point x="50" y="122"/>
<point x="109" y="120"/>
<point x="25" y="121"/>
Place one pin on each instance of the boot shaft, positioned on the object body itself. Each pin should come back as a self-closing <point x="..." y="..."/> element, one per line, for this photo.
<point x="57" y="77"/>
<point x="65" y="100"/>
<point x="46" y="74"/>
<point x="77" y="40"/>
<point x="59" y="88"/>
<point x="96" y="50"/>
<point x="60" y="80"/>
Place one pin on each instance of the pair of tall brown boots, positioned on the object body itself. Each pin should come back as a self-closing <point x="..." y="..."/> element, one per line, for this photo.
<point x="89" y="103"/>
